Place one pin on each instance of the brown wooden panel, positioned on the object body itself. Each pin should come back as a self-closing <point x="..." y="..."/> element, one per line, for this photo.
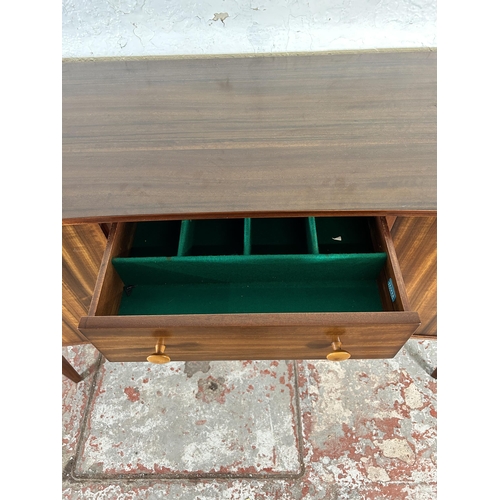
<point x="109" y="286"/>
<point x="250" y="336"/>
<point x="381" y="235"/>
<point x="82" y="251"/>
<point x="390" y="221"/>
<point x="286" y="135"/>
<point x="415" y="240"/>
<point x="72" y="311"/>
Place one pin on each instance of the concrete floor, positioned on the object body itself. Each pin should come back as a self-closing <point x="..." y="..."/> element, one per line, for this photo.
<point x="251" y="429"/>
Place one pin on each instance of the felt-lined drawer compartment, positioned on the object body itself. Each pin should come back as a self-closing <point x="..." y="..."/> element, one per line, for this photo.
<point x="156" y="238"/>
<point x="243" y="283"/>
<point x="342" y="235"/>
<point x="211" y="237"/>
<point x="275" y="236"/>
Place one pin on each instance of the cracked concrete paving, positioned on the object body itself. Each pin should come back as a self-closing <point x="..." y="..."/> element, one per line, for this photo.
<point x="361" y="429"/>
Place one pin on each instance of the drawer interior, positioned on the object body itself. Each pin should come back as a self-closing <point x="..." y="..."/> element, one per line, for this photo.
<point x="252" y="265"/>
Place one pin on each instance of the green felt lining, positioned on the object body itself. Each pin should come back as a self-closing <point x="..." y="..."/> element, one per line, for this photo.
<point x="354" y="234"/>
<point x="211" y="237"/>
<point x="227" y="298"/>
<point x="248" y="269"/>
<point x="265" y="283"/>
<point x="251" y="265"/>
<point x="246" y="237"/>
<point x="279" y="236"/>
<point x="312" y="238"/>
<point x="156" y="238"/>
<point x="268" y="236"/>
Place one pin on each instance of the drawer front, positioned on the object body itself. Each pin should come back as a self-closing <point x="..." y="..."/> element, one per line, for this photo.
<point x="220" y="335"/>
<point x="259" y="336"/>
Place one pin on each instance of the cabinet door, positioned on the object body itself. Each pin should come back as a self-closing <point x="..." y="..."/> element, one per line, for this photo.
<point x="82" y="251"/>
<point x="415" y="241"/>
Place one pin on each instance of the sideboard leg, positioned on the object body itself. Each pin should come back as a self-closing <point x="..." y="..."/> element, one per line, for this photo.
<point x="434" y="374"/>
<point x="70" y="372"/>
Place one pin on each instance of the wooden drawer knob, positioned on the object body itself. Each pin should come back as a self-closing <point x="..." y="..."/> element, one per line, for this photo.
<point x="159" y="357"/>
<point x="338" y="353"/>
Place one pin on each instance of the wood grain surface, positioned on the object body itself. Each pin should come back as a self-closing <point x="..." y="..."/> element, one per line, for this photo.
<point x="250" y="336"/>
<point x="82" y="250"/>
<point x="415" y="241"/>
<point x="109" y="286"/>
<point x="391" y="270"/>
<point x="311" y="134"/>
<point x="199" y="337"/>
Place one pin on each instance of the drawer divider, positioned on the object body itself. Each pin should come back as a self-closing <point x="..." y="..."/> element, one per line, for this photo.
<point x="185" y="238"/>
<point x="312" y="236"/>
<point x="247" y="242"/>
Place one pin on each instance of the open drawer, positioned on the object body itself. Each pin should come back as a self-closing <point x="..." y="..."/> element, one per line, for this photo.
<point x="260" y="288"/>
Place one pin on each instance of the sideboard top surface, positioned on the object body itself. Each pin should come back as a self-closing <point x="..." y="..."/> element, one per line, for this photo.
<point x="353" y="132"/>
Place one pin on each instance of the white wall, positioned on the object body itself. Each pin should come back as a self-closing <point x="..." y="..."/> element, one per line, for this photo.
<point x="114" y="28"/>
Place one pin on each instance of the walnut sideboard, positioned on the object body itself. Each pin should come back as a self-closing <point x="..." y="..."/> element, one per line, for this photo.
<point x="273" y="207"/>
